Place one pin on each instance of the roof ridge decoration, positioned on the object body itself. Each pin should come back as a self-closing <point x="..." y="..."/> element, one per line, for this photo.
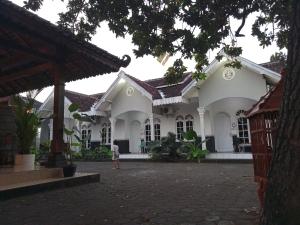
<point x="181" y="82"/>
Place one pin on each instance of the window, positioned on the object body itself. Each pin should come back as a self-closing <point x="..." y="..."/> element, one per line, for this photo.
<point x="109" y="134"/>
<point x="83" y="134"/>
<point x="157" y="130"/>
<point x="179" y="128"/>
<point x="86" y="134"/>
<point x="88" y="140"/>
<point x="106" y="134"/>
<point x="189" y="122"/>
<point x="103" y="134"/>
<point x="147" y="131"/>
<point x="243" y="127"/>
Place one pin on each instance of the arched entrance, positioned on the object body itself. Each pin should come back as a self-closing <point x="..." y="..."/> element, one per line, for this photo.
<point x="222" y="133"/>
<point x="135" y="138"/>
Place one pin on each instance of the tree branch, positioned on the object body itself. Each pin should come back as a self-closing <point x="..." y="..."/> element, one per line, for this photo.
<point x="237" y="33"/>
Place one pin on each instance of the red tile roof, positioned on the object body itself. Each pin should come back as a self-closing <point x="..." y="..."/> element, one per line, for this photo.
<point x="274" y="66"/>
<point x="84" y="101"/>
<point x="172" y="90"/>
<point x="149" y="88"/>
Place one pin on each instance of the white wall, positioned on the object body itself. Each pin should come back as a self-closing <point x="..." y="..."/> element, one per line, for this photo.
<point x="123" y="103"/>
<point x="168" y="123"/>
<point x="245" y="84"/>
<point x="229" y="106"/>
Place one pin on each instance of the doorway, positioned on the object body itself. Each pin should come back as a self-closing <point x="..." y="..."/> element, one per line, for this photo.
<point x="222" y="133"/>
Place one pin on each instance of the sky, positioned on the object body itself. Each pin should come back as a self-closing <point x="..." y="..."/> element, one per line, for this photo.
<point x="146" y="67"/>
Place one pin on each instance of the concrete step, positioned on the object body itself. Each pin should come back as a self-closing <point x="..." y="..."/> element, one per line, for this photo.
<point x="134" y="156"/>
<point x="10" y="176"/>
<point x="32" y="187"/>
<point x="228" y="157"/>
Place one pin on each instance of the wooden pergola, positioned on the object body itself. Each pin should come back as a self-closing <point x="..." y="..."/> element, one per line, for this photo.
<point x="35" y="53"/>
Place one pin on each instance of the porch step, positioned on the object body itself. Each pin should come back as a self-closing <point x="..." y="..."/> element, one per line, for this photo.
<point x="10" y="176"/>
<point x="134" y="156"/>
<point x="228" y="157"/>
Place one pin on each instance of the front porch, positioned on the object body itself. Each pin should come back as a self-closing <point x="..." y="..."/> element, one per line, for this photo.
<point x="209" y="156"/>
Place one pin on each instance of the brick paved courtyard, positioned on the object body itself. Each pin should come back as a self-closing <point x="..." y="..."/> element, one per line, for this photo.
<point x="145" y="193"/>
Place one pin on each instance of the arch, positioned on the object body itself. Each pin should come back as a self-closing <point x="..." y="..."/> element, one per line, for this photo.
<point x="120" y="114"/>
<point x="156" y="121"/>
<point x="221" y="99"/>
<point x="179" y="117"/>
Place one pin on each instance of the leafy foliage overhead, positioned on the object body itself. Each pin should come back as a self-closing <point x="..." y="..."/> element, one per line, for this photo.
<point x="189" y="27"/>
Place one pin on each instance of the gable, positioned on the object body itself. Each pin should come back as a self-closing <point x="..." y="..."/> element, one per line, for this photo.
<point x="245" y="84"/>
<point x="269" y="71"/>
<point x="132" y="101"/>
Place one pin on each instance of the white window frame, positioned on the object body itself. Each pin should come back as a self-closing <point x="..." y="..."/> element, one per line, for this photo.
<point x="179" y="120"/>
<point x="86" y="134"/>
<point x="189" y="119"/>
<point x="147" y="131"/>
<point x="242" y="121"/>
<point x="105" y="134"/>
<point x="157" y="130"/>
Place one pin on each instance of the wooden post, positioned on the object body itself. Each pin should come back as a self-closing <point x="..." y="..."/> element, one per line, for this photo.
<point x="56" y="157"/>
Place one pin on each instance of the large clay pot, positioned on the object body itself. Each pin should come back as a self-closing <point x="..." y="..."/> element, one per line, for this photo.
<point x="24" y="162"/>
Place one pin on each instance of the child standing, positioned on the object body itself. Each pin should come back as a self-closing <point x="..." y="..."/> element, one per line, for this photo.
<point x="115" y="155"/>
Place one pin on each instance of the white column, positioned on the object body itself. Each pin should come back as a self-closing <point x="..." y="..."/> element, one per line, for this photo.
<point x="201" y="111"/>
<point x="151" y="119"/>
<point x="51" y="129"/>
<point x="112" y="130"/>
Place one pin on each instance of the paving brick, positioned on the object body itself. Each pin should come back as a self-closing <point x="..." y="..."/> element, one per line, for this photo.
<point x="145" y="193"/>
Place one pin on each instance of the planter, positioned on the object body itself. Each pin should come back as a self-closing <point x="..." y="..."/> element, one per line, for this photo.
<point x="24" y="161"/>
<point x="69" y="170"/>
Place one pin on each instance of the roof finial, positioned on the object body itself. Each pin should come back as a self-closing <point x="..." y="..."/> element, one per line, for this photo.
<point x="126" y="60"/>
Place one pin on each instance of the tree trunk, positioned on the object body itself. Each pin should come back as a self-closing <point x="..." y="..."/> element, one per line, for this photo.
<point x="282" y="200"/>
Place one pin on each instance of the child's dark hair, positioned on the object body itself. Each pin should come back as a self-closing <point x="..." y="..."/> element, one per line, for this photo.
<point x="115" y="142"/>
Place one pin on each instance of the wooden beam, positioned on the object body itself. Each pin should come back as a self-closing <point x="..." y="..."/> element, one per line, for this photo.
<point x="10" y="45"/>
<point x="14" y="60"/>
<point x="25" y="73"/>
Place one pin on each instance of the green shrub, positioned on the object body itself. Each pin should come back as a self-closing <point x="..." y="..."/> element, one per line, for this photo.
<point x="43" y="151"/>
<point x="168" y="149"/>
<point x="98" y="153"/>
<point x="193" y="146"/>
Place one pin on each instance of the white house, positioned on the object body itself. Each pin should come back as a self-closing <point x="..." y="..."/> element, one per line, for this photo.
<point x="132" y="111"/>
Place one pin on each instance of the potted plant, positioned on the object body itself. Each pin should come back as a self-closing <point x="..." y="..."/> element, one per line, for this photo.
<point x="27" y="123"/>
<point x="70" y="169"/>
